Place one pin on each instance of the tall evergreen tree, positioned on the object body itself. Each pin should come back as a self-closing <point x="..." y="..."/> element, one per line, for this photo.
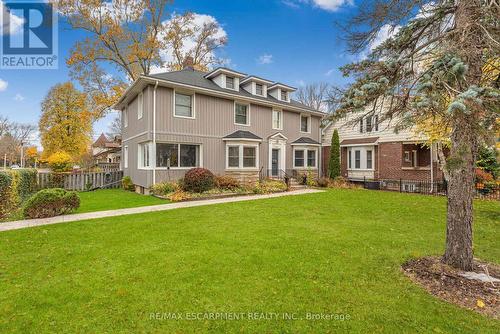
<point x="433" y="68"/>
<point x="334" y="163"/>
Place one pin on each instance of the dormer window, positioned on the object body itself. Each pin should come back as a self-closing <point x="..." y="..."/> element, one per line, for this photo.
<point x="259" y="89"/>
<point x="229" y="82"/>
<point x="284" y="95"/>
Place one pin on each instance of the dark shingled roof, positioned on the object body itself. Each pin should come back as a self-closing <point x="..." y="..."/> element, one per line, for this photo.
<point x="240" y="134"/>
<point x="358" y="141"/>
<point x="189" y="76"/>
<point x="306" y="140"/>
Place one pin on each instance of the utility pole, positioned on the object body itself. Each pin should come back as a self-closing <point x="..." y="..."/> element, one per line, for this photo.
<point x="22" y="155"/>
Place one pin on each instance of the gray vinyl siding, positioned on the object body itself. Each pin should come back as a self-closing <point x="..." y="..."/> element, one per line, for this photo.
<point x="214" y="119"/>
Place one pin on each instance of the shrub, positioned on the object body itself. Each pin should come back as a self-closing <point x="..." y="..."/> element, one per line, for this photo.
<point x="5" y="194"/>
<point x="198" y="180"/>
<point x="127" y="184"/>
<point x="323" y="182"/>
<point x="340" y="182"/>
<point x="164" y="188"/>
<point x="269" y="186"/>
<point x="179" y="196"/>
<point x="334" y="163"/>
<point x="50" y="203"/>
<point x="24" y="183"/>
<point x="60" y="162"/>
<point x="227" y="183"/>
<point x="483" y="176"/>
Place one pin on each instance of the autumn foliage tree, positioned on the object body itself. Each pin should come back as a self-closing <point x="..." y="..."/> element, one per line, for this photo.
<point x="66" y="123"/>
<point x="132" y="37"/>
<point x="432" y="68"/>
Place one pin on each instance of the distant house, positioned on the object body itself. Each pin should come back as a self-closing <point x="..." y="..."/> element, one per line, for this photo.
<point x="227" y="121"/>
<point x="372" y="150"/>
<point x="106" y="150"/>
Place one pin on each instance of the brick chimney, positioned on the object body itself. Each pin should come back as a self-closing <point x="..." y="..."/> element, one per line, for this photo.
<point x="188" y="63"/>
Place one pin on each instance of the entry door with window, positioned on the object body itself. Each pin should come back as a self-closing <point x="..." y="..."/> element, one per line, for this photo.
<point x="275" y="162"/>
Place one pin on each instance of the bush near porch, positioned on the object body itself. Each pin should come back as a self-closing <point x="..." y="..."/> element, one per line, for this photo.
<point x="200" y="183"/>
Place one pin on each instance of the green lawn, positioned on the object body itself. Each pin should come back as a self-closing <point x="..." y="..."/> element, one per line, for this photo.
<point x="333" y="252"/>
<point x="110" y="199"/>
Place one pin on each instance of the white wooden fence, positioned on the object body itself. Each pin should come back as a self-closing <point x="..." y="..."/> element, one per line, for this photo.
<point x="80" y="181"/>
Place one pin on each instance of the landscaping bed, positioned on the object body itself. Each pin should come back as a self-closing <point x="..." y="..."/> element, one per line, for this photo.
<point x="200" y="183"/>
<point x="447" y="283"/>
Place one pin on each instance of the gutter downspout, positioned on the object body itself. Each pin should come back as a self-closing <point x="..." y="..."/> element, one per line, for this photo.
<point x="154" y="133"/>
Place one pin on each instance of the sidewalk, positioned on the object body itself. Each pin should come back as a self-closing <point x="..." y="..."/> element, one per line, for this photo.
<point x="18" y="224"/>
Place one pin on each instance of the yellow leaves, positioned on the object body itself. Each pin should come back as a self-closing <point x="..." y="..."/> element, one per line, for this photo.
<point x="480" y="303"/>
<point x="66" y="122"/>
<point x="60" y="161"/>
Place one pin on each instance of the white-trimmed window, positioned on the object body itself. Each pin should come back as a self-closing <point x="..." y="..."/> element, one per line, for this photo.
<point x="360" y="157"/>
<point x="242" y="156"/>
<point x="284" y="95"/>
<point x="407" y="156"/>
<point x="241" y="114"/>
<point x="125" y="117"/>
<point x="140" y="105"/>
<point x="171" y="155"/>
<point x="259" y="89"/>
<point x="369" y="159"/>
<point x="144" y="155"/>
<point x="277" y="119"/>
<point x="183" y="105"/>
<point x="125" y="156"/>
<point x="229" y="82"/>
<point x="305" y="123"/>
<point x="303" y="158"/>
<point x="357" y="159"/>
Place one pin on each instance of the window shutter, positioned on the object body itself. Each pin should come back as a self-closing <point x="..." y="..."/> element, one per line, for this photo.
<point x="361" y="125"/>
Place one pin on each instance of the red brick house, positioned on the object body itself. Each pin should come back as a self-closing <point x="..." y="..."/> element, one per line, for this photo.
<point x="372" y="150"/>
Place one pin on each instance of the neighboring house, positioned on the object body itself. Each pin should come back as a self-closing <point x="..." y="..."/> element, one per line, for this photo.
<point x="372" y="150"/>
<point x="105" y="150"/>
<point x="224" y="120"/>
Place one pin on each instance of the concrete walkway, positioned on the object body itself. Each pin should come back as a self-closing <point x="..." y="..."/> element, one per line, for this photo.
<point x="15" y="225"/>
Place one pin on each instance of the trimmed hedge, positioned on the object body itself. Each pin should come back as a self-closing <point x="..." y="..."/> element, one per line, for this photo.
<point x="15" y="187"/>
<point x="198" y="180"/>
<point x="51" y="202"/>
<point x="5" y="194"/>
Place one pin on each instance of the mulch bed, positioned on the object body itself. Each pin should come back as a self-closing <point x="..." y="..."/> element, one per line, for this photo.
<point x="445" y="283"/>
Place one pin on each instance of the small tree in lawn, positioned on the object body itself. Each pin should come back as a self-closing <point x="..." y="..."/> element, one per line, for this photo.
<point x="334" y="163"/>
<point x="433" y="67"/>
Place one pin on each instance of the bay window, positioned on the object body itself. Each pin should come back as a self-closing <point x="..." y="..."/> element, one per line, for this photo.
<point x="303" y="158"/>
<point x="240" y="156"/>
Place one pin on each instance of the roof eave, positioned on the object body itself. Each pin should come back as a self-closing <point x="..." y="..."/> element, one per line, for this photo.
<point x="227" y="94"/>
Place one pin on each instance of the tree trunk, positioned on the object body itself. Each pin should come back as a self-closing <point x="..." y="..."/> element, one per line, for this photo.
<point x="460" y="165"/>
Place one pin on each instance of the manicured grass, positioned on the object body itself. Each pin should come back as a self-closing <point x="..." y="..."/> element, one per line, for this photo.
<point x="333" y="252"/>
<point x="110" y="199"/>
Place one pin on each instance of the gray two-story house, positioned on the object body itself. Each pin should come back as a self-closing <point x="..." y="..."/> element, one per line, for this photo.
<point x="226" y="121"/>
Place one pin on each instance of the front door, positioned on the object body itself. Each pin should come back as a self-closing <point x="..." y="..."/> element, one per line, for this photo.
<point x="275" y="162"/>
